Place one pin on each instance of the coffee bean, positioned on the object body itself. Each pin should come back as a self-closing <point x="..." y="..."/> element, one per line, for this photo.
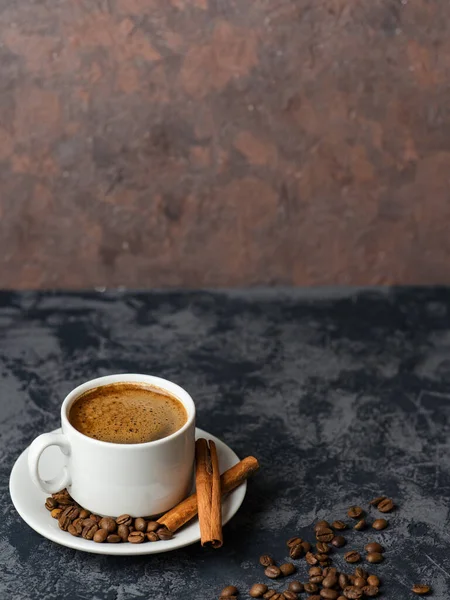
<point x="374" y="557"/>
<point x="100" y="536"/>
<point x="353" y="593"/>
<point x="287" y="569"/>
<point x="152" y="536"/>
<point x="341" y="598"/>
<point x="296" y="551"/>
<point x="228" y="591"/>
<point x="379" y="524"/>
<point x="75" y="528"/>
<point x="293" y="541"/>
<point x="355" y="512"/>
<point x="314" y="571"/>
<point x="140" y="524"/>
<point x="51" y="503"/>
<point x="421" y="589"/>
<point x="325" y="534"/>
<point x="63" y="498"/>
<point x="330" y="571"/>
<point x="164" y="534"/>
<point x="338" y="525"/>
<point x="257" y="590"/>
<point x="373" y="580"/>
<point x="330" y="581"/>
<point x="321" y="525"/>
<point x="84" y="514"/>
<point x="136" y="537"/>
<point x="56" y="512"/>
<point x="351" y="579"/>
<point x="360" y="572"/>
<point x="374" y="547"/>
<point x="272" y="572"/>
<point x="386" y="506"/>
<point x="310" y="588"/>
<point x="316" y="579"/>
<point x="360" y="582"/>
<point x="370" y="591"/>
<point x="124" y="532"/>
<point x="269" y="594"/>
<point x="266" y="560"/>
<point x="296" y="586"/>
<point x="360" y="525"/>
<point x="306" y="546"/>
<point x="315" y="597"/>
<point x="227" y="597"/>
<point x="277" y="596"/>
<point x="108" y="524"/>
<point x="311" y="559"/>
<point x="153" y="526"/>
<point x="289" y="595"/>
<point x="113" y="538"/>
<point x="352" y="556"/>
<point x="322" y="547"/>
<point x="376" y="501"/>
<point x="95" y="518"/>
<point x="329" y="594"/>
<point x="322" y="558"/>
<point x="69" y="514"/>
<point x="338" y="541"/>
<point x="89" y="529"/>
<point x="343" y="581"/>
<point x="124" y="520"/>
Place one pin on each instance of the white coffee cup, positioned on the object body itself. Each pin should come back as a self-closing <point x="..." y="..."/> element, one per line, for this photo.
<point x="114" y="479"/>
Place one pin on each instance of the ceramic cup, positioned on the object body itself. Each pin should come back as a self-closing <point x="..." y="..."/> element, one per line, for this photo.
<point x="113" y="479"/>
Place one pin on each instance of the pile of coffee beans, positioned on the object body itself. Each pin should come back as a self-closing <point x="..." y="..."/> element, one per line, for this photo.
<point x="325" y="582"/>
<point x="80" y="522"/>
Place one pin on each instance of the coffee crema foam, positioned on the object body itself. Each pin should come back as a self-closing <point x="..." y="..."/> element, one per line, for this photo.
<point x="127" y="413"/>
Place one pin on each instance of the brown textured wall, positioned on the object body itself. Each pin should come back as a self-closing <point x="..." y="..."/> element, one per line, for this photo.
<point x="224" y="142"/>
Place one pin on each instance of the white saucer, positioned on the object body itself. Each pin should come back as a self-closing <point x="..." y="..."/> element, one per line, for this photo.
<point x="29" y="502"/>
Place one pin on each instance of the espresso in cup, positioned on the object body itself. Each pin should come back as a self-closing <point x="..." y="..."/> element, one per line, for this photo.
<point x="127" y="413"/>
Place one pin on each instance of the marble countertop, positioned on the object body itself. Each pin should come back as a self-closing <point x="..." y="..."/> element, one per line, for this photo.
<point x="342" y="394"/>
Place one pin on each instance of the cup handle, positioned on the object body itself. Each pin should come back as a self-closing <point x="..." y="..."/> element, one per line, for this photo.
<point x="34" y="454"/>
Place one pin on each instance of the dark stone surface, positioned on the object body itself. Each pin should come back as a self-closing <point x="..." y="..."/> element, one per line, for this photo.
<point x="292" y="142"/>
<point x="341" y="394"/>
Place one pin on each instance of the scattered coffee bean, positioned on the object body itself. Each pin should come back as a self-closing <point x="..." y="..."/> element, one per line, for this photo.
<point x="140" y="524"/>
<point x="63" y="498"/>
<point x="376" y="501"/>
<point x="360" y="582"/>
<point x="315" y="597"/>
<point x="324" y="534"/>
<point x="339" y="525"/>
<point x="228" y="591"/>
<point x="374" y="557"/>
<point x="293" y="541"/>
<point x="329" y="594"/>
<point x="386" y="506"/>
<point x="123" y="531"/>
<point x="75" y="528"/>
<point x="152" y="536"/>
<point x="322" y="547"/>
<point x="379" y="524"/>
<point x="164" y="534"/>
<point x="321" y="525"/>
<point x="296" y="551"/>
<point x="257" y="590"/>
<point x="355" y="512"/>
<point x="289" y="595"/>
<point x="69" y="514"/>
<point x="370" y="591"/>
<point x="343" y="581"/>
<point x="51" y="503"/>
<point x="353" y="593"/>
<point x="113" y="538"/>
<point x="84" y="514"/>
<point x="100" y="536"/>
<point x="266" y="560"/>
<point x="272" y="571"/>
<point x="311" y="559"/>
<point x="296" y="586"/>
<point x="341" y="598"/>
<point x="322" y="558"/>
<point x="421" y="589"/>
<point x="310" y="588"/>
<point x="124" y="520"/>
<point x="360" y="572"/>
<point x="136" y="537"/>
<point x="316" y="579"/>
<point x="89" y="529"/>
<point x="287" y="569"/>
<point x="338" y="541"/>
<point x="314" y="571"/>
<point x="352" y="556"/>
<point x="306" y="547"/>
<point x="153" y="526"/>
<point x="95" y="518"/>
<point x="360" y="525"/>
<point x="330" y="581"/>
<point x="108" y="524"/>
<point x="373" y="580"/>
<point x="351" y="579"/>
<point x="374" y="547"/>
<point x="56" y="512"/>
<point x="277" y="596"/>
<point x="269" y="594"/>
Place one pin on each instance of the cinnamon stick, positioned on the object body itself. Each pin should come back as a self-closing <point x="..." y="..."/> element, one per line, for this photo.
<point x="207" y="480"/>
<point x="229" y="480"/>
